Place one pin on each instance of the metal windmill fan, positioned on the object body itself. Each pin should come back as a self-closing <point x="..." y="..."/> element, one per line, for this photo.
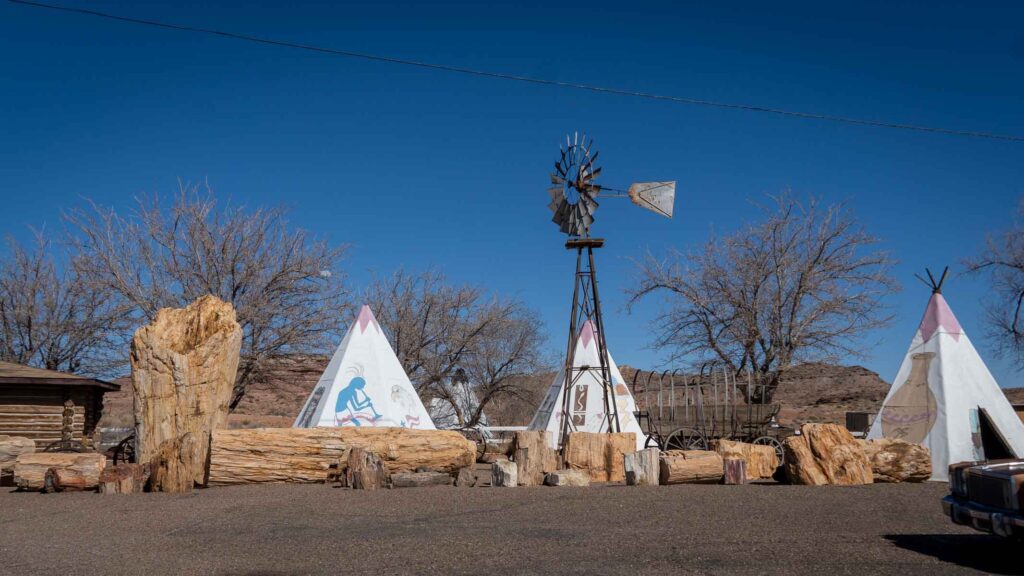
<point x="574" y="193"/>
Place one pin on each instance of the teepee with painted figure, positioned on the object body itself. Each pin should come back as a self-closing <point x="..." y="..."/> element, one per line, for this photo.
<point x="364" y="385"/>
<point x="586" y="407"/>
<point x="945" y="398"/>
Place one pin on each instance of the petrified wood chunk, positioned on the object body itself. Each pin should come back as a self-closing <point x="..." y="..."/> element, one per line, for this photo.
<point x="599" y="454"/>
<point x="642" y="468"/>
<point x="826" y="454"/>
<point x="897" y="460"/>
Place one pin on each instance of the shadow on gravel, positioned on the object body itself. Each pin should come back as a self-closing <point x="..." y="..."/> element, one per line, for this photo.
<point x="978" y="551"/>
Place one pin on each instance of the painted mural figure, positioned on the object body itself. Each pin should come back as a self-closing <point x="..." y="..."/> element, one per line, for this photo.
<point x="911" y="412"/>
<point x="353" y="398"/>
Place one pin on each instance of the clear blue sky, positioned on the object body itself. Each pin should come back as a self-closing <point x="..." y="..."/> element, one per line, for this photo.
<point x="418" y="168"/>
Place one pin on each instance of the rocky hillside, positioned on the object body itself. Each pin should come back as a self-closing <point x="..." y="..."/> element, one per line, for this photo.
<point x="808" y="393"/>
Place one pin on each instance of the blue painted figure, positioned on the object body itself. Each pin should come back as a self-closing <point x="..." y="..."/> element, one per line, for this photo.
<point x="352" y="398"/>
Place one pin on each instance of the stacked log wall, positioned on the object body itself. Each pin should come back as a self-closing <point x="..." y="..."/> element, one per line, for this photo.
<point x="36" y="412"/>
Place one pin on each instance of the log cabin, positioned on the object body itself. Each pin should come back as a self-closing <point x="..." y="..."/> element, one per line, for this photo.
<point x="37" y="403"/>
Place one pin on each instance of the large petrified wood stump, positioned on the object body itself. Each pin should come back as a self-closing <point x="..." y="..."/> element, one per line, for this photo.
<point x="306" y="454"/>
<point x="183" y="372"/>
<point x="826" y="454"/>
<point x="599" y="454"/>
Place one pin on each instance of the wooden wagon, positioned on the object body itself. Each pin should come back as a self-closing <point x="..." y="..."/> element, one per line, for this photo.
<point x="689" y="412"/>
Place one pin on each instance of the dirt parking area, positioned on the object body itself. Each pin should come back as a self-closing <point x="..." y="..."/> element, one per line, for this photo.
<point x="313" y="529"/>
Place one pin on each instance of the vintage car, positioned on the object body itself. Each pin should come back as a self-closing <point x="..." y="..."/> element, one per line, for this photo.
<point x="988" y="496"/>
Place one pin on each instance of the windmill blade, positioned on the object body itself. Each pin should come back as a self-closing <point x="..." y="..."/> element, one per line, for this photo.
<point x="557" y="180"/>
<point x="654" y="196"/>
<point x="555" y="193"/>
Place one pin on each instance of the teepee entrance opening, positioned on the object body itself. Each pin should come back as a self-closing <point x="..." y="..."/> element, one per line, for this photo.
<point x="993" y="445"/>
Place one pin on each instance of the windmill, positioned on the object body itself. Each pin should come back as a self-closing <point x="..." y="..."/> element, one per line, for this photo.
<point x="574" y="194"/>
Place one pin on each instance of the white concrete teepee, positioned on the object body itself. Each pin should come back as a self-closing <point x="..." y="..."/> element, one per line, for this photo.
<point x="945" y="398"/>
<point x="364" y="385"/>
<point x="587" y="401"/>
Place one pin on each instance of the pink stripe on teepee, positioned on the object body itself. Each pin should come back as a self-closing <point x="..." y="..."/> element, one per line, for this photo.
<point x="938" y="316"/>
<point x="366" y="318"/>
<point x="587" y="333"/>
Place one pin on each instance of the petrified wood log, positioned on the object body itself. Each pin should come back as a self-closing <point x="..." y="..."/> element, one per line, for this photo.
<point x="183" y="371"/>
<point x="306" y="454"/>
<point x="599" y="454"/>
<point x="690" y="467"/>
<point x="420" y="479"/>
<point x="826" y="454"/>
<point x="30" y="469"/>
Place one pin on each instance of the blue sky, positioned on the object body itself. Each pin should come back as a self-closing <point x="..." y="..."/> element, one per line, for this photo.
<point x="418" y="168"/>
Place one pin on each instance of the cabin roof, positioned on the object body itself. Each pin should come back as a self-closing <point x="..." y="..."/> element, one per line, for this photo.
<point x="17" y="374"/>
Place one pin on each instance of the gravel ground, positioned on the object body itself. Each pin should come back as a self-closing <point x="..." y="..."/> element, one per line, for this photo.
<point x="312" y="529"/>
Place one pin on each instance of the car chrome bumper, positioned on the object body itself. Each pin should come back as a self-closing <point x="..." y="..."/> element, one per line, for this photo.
<point x="983" y="518"/>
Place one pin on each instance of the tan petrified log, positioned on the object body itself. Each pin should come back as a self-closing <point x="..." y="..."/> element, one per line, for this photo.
<point x="306" y="454"/>
<point x="534" y="456"/>
<point x="761" y="461"/>
<point x="10" y="448"/>
<point x="642" y="467"/>
<point x="897" y="460"/>
<point x="690" y="467"/>
<point x="183" y="371"/>
<point x="599" y="454"/>
<point x="826" y="454"/>
<point x="122" y="478"/>
<point x="30" y="469"/>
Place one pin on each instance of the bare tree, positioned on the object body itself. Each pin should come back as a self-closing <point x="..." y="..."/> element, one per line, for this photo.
<point x="285" y="286"/>
<point x="1003" y="261"/>
<point x="49" y="318"/>
<point x="439" y="330"/>
<point x="803" y="284"/>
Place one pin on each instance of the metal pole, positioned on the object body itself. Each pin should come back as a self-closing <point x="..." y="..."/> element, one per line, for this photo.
<point x="611" y="407"/>
<point x="570" y="354"/>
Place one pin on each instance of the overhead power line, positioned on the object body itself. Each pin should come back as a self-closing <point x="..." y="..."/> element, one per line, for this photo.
<point x="530" y="79"/>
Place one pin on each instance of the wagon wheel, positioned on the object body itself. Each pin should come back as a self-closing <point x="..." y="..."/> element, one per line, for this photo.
<point x="686" y="439"/>
<point x="125" y="450"/>
<point x="653" y="441"/>
<point x="775" y="444"/>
